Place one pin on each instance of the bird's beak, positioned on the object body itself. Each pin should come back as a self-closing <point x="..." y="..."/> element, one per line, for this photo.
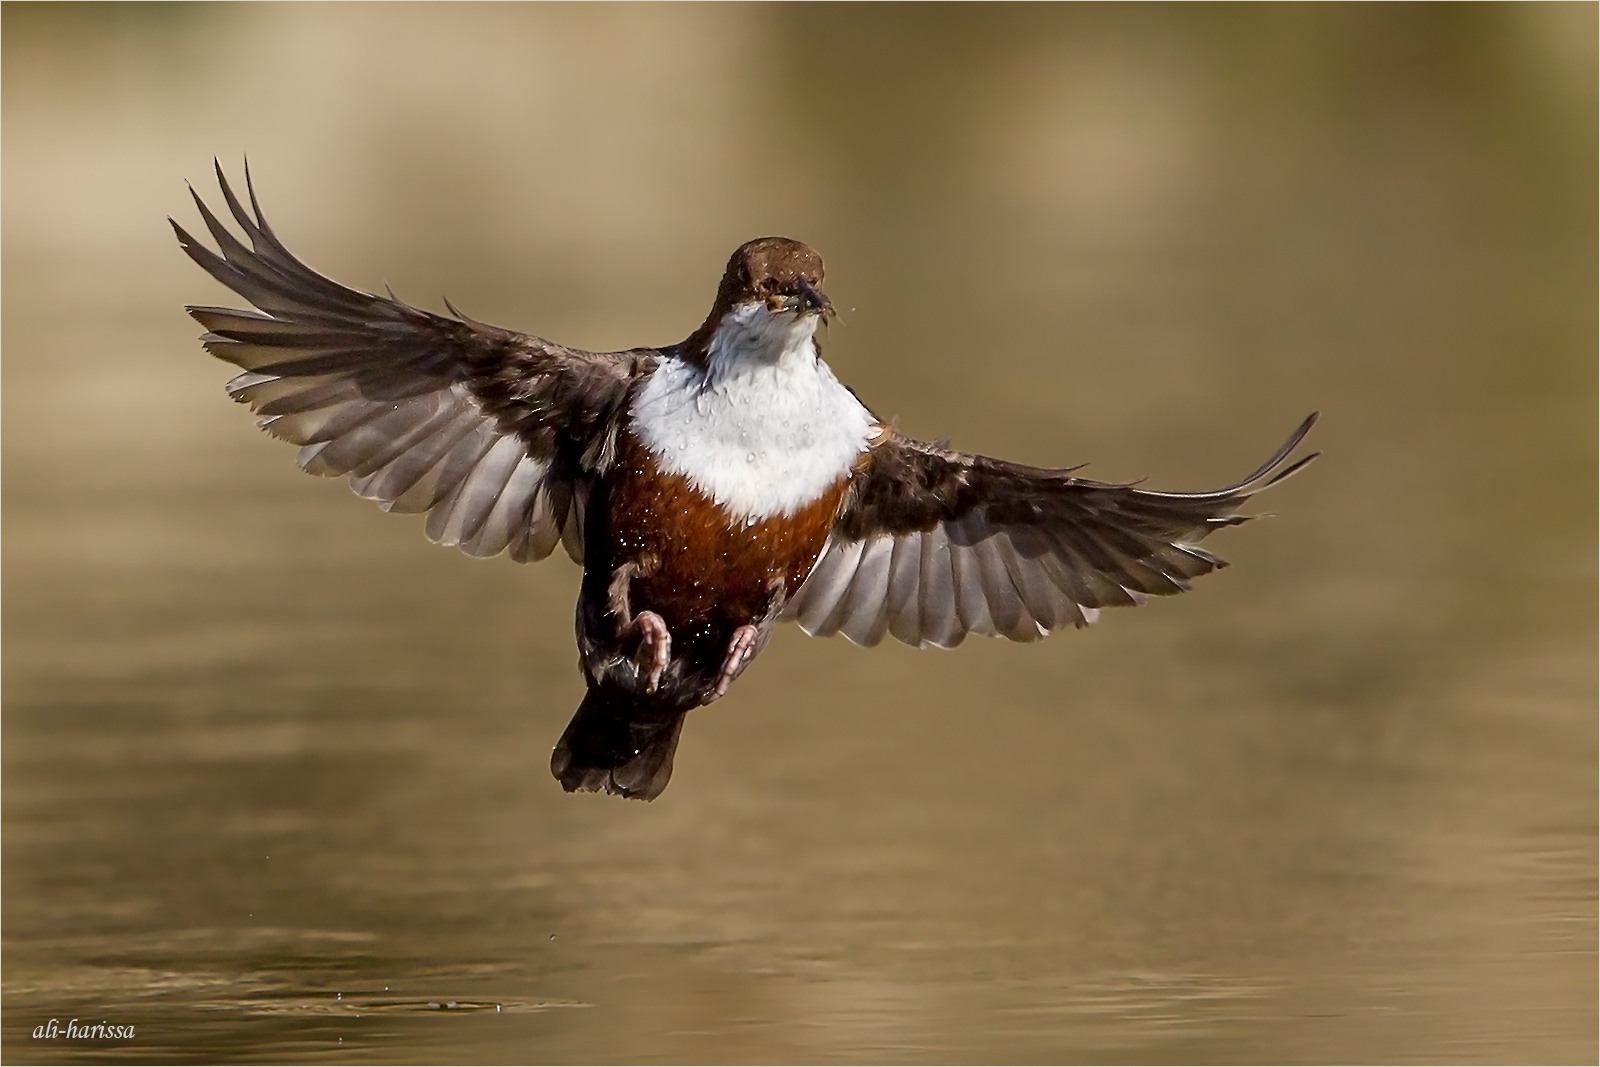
<point x="812" y="299"/>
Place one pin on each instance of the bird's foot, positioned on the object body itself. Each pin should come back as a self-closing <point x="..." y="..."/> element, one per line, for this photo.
<point x="741" y="650"/>
<point x="655" y="647"/>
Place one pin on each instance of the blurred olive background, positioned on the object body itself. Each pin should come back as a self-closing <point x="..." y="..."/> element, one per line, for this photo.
<point x="275" y="779"/>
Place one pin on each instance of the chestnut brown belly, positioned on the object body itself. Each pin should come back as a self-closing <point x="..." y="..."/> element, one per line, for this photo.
<point x="703" y="571"/>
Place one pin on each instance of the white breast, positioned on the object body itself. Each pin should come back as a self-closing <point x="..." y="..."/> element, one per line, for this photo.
<point x="765" y="428"/>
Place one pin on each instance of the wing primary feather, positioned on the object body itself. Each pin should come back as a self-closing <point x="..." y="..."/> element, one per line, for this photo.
<point x="249" y="269"/>
<point x="251" y="229"/>
<point x="1030" y="578"/>
<point x="1137" y="562"/>
<point x="255" y="206"/>
<point x="442" y="478"/>
<point x="1090" y="585"/>
<point x="1260" y="472"/>
<point x="938" y="624"/>
<point x="233" y="250"/>
<point x="902" y="609"/>
<point x="271" y="253"/>
<point x="1291" y="470"/>
<point x="393" y="482"/>
<point x="972" y="603"/>
<point x="1065" y="573"/>
<point x="379" y="429"/>
<point x="449" y="412"/>
<point x="1004" y="602"/>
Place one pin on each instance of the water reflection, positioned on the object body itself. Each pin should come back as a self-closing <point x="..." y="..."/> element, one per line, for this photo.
<point x="274" y="767"/>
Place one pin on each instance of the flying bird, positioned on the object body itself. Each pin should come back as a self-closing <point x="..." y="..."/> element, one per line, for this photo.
<point x="709" y="489"/>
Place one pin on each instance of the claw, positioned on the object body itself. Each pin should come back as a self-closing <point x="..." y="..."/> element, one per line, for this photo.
<point x="741" y="650"/>
<point x="655" y="647"/>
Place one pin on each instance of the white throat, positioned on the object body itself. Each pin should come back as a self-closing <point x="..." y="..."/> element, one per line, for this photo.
<point x="765" y="428"/>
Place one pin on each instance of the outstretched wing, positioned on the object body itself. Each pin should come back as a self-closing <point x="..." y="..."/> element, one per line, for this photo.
<point x="931" y="545"/>
<point x="490" y="432"/>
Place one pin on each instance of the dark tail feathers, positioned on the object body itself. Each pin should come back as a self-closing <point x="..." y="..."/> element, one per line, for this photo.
<point x="618" y="742"/>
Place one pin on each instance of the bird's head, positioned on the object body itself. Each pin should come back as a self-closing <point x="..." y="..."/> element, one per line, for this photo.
<point x="781" y="273"/>
<point x="769" y="304"/>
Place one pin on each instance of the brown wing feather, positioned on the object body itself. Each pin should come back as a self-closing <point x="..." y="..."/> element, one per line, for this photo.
<point x="493" y="433"/>
<point x="932" y="544"/>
